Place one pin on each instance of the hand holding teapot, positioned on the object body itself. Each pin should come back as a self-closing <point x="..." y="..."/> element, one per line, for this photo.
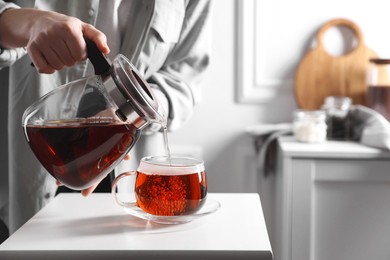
<point x="53" y="40"/>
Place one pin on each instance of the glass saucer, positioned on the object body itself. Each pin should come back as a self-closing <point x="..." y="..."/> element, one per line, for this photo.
<point x="208" y="208"/>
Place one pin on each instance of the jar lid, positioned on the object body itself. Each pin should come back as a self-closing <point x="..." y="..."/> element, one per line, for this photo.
<point x="300" y="114"/>
<point x="340" y="102"/>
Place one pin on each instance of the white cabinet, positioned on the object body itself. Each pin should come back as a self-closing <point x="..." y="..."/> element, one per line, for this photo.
<point x="328" y="201"/>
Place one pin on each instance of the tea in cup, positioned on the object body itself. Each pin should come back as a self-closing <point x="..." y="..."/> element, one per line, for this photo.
<point x="167" y="186"/>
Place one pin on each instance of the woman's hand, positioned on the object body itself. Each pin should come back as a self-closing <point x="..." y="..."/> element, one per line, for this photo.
<point x="53" y="40"/>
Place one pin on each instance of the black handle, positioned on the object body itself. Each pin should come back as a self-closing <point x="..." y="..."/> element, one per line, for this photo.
<point x="100" y="62"/>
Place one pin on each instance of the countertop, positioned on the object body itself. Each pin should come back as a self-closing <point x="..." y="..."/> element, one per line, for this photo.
<point x="330" y="149"/>
<point x="74" y="227"/>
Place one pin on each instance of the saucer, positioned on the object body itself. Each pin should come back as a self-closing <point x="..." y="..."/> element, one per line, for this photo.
<point x="208" y="208"/>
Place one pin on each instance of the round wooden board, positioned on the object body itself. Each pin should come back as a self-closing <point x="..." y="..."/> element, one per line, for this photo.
<point x="320" y="74"/>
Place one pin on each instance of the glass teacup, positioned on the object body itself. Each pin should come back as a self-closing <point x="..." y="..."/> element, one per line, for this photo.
<point x="167" y="186"/>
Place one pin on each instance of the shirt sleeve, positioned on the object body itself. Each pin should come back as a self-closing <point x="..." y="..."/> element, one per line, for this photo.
<point x="9" y="56"/>
<point x="179" y="79"/>
<point x="6" y="5"/>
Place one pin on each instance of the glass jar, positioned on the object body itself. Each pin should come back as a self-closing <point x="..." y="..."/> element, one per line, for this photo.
<point x="337" y="109"/>
<point x="378" y="86"/>
<point x="309" y="126"/>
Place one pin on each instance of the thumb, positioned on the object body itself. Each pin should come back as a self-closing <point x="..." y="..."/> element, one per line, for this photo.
<point x="96" y="36"/>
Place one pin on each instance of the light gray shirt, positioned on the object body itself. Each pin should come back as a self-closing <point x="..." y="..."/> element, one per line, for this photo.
<point x="168" y="41"/>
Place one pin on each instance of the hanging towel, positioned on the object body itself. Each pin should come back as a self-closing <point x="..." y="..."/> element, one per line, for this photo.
<point x="265" y="144"/>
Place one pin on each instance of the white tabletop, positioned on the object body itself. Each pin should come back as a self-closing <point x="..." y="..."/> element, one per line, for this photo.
<point x="73" y="227"/>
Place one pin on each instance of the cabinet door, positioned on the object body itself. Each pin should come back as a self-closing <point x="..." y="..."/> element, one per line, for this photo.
<point x="340" y="209"/>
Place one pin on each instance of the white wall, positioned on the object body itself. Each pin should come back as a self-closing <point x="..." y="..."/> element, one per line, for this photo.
<point x="218" y="124"/>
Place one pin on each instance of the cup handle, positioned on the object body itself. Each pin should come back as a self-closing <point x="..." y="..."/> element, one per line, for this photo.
<point x="114" y="193"/>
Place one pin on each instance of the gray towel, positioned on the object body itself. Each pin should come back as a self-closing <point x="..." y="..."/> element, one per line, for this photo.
<point x="267" y="152"/>
<point x="265" y="144"/>
<point x="369" y="127"/>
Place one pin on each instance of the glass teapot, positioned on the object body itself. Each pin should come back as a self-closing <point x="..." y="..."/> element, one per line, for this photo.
<point x="81" y="130"/>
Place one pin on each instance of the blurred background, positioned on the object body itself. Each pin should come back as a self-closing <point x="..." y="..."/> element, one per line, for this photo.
<point x="257" y="46"/>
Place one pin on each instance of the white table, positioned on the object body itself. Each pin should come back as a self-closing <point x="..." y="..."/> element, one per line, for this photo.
<point x="73" y="227"/>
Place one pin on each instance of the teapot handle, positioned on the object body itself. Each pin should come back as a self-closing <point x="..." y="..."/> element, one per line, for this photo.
<point x="100" y="62"/>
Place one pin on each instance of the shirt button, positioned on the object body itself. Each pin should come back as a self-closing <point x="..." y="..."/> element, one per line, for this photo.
<point x="91" y="12"/>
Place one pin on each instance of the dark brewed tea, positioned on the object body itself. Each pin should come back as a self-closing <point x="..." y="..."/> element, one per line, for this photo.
<point x="171" y="195"/>
<point x="379" y="99"/>
<point x="78" y="154"/>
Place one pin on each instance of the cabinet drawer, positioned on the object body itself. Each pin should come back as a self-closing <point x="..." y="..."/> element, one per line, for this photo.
<point x="340" y="209"/>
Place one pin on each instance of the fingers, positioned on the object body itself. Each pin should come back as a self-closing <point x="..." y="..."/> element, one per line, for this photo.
<point x="55" y="55"/>
<point x="57" y="45"/>
<point x="68" y="58"/>
<point x="76" y="47"/>
<point x="89" y="190"/>
<point x="85" y="192"/>
<point x="57" y="41"/>
<point x="40" y="63"/>
<point x="96" y="36"/>
<point x="48" y="60"/>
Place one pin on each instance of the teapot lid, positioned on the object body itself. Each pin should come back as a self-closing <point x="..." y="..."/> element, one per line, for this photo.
<point x="134" y="92"/>
<point x="135" y="89"/>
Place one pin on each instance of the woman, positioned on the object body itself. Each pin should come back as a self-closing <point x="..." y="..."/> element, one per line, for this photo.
<point x="166" y="40"/>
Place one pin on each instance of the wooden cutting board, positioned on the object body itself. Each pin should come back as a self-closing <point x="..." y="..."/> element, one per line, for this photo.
<point x="321" y="74"/>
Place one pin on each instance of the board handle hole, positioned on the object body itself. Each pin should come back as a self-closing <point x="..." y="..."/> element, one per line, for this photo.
<point x="339" y="40"/>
